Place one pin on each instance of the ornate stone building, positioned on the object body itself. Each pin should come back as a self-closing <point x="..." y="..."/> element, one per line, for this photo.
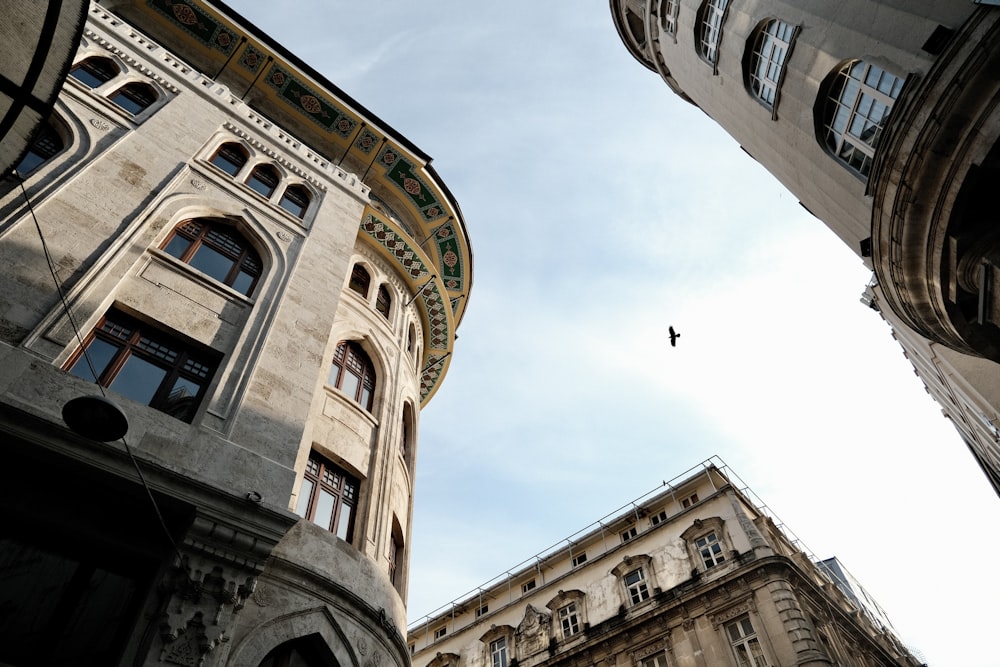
<point x="266" y="279"/>
<point x="693" y="574"/>
<point x="881" y="117"/>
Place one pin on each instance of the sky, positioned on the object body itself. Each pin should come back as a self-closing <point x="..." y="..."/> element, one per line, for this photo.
<point x="601" y="210"/>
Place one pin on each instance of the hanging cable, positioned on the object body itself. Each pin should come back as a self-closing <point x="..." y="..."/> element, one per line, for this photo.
<point x="90" y="363"/>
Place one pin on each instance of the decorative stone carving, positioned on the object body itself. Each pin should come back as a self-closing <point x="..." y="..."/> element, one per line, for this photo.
<point x="213" y="574"/>
<point x="100" y="124"/>
<point x="199" y="184"/>
<point x="533" y="631"/>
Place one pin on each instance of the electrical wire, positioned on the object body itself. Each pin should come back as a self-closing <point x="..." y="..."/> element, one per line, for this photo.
<point x="90" y="363"/>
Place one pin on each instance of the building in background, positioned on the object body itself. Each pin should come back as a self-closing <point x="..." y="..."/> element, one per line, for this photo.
<point x="267" y="279"/>
<point x="881" y="117"/>
<point x="692" y="574"/>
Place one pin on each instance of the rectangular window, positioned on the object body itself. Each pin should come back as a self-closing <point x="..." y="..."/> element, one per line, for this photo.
<point x="710" y="550"/>
<point x="569" y="621"/>
<point x="658" y="660"/>
<point x="528" y="585"/>
<point x="689" y="501"/>
<point x="328" y="497"/>
<point x="580" y="558"/>
<point x="635" y="584"/>
<point x="145" y="364"/>
<point x="482" y="610"/>
<point x="746" y="646"/>
<point x="498" y="650"/>
<point x="658" y="518"/>
<point x="441" y="632"/>
<point x="628" y="534"/>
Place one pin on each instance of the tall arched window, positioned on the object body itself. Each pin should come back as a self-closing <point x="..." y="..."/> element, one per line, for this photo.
<point x="383" y="301"/>
<point x="353" y="373"/>
<point x="360" y="280"/>
<point x="855" y="110"/>
<point x="769" y="47"/>
<point x="668" y="16"/>
<point x="94" y="71"/>
<point x="328" y="497"/>
<point x="295" y="200"/>
<point x="230" y="158"/>
<point x="134" y="97"/>
<point x="46" y="144"/>
<point x="218" y="250"/>
<point x="395" y="555"/>
<point x="264" y="180"/>
<point x="708" y="29"/>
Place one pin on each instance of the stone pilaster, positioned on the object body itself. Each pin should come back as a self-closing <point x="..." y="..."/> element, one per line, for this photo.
<point x="800" y="633"/>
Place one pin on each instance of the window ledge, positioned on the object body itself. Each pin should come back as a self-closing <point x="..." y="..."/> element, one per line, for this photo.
<point x="205" y="280"/>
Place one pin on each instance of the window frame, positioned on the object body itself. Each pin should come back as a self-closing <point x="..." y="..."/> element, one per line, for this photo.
<point x="708" y="30"/>
<point x="360" y="280"/>
<point x="42" y="139"/>
<point x="128" y="90"/>
<point x="762" y="38"/>
<point x="367" y="380"/>
<point x="234" y="147"/>
<point x="345" y="491"/>
<point x="636" y="590"/>
<point x="255" y="177"/>
<point x="210" y="233"/>
<point x="669" y="11"/>
<point x="745" y="641"/>
<point x="711" y="550"/>
<point x="569" y="620"/>
<point x="95" y="72"/>
<point x="154" y="345"/>
<point x="383" y="302"/>
<point x="836" y="95"/>
<point x="289" y="194"/>
<point x="499" y="652"/>
<point x="702" y="528"/>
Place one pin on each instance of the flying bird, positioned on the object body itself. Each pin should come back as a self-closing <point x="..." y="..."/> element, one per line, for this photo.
<point x="673" y="337"/>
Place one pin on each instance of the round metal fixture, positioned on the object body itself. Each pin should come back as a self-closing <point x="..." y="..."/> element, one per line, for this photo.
<point x="95" y="417"/>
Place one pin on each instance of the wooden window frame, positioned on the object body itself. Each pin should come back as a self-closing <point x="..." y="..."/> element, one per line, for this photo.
<point x="228" y="150"/>
<point x="93" y="66"/>
<point x="135" y="338"/>
<point x="350" y="359"/>
<point x="324" y="475"/>
<point x="224" y="239"/>
<point x="139" y="93"/>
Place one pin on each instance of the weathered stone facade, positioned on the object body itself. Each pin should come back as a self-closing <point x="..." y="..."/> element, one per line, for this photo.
<point x="691" y="575"/>
<point x="881" y="117"/>
<point x="238" y="382"/>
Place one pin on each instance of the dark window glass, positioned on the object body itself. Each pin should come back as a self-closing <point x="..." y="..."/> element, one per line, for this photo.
<point x="217" y="250"/>
<point x="134" y="97"/>
<point x="328" y="497"/>
<point x="360" y="280"/>
<point x="92" y="72"/>
<point x="46" y="144"/>
<point x="147" y="365"/>
<point x="353" y="373"/>
<point x="383" y="301"/>
<point x="295" y="200"/>
<point x="230" y="158"/>
<point x="263" y="180"/>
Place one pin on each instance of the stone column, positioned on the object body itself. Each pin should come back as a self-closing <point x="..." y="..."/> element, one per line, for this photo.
<point x="800" y="633"/>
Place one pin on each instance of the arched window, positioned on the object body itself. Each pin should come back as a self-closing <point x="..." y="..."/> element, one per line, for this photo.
<point x="230" y="158"/>
<point x="668" y="16"/>
<point x="360" y="280"/>
<point x="395" y="555"/>
<point x="264" y="180"/>
<point x="47" y="143"/>
<point x="708" y="29"/>
<point x="771" y="43"/>
<point x="383" y="301"/>
<point x="855" y="110"/>
<point x="411" y="338"/>
<point x="353" y="373"/>
<point x="328" y="497"/>
<point x="218" y="250"/>
<point x="295" y="200"/>
<point x="406" y="431"/>
<point x="134" y="97"/>
<point x="94" y="71"/>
